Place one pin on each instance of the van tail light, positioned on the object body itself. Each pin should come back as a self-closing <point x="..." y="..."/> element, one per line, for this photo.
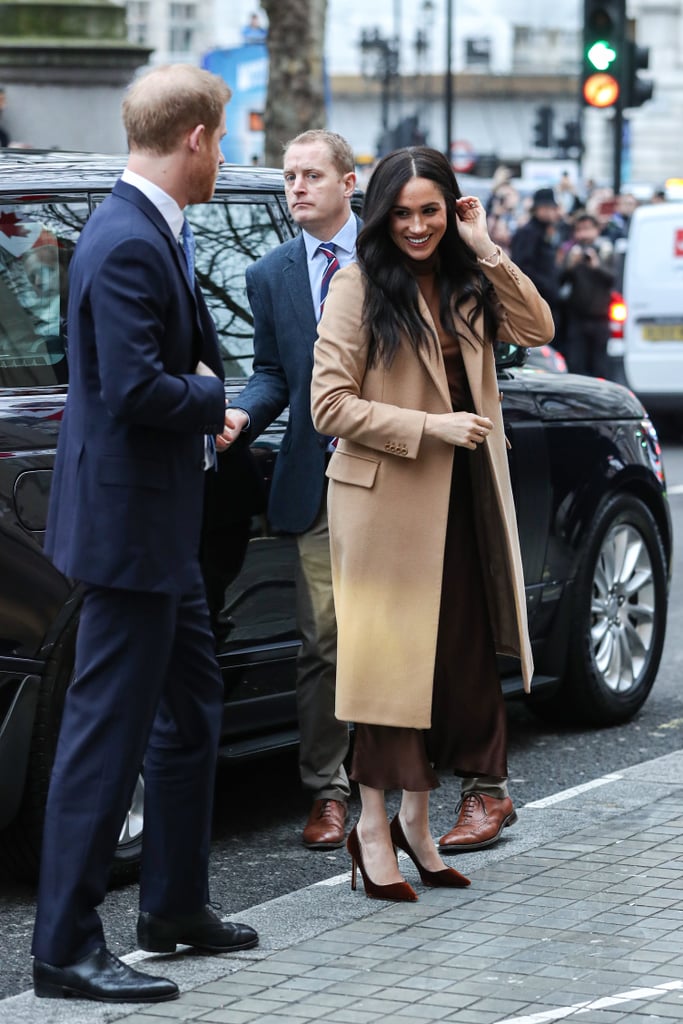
<point x="617" y="315"/>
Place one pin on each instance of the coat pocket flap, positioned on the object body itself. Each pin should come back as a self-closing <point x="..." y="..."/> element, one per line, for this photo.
<point x="117" y="471"/>
<point x="352" y="469"/>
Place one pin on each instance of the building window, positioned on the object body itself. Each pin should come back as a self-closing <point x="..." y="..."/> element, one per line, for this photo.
<point x="182" y="27"/>
<point x="137" y="19"/>
<point x="180" y="39"/>
<point x="183" y="12"/>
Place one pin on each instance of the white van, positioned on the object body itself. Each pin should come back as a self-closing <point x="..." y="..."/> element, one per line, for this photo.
<point x="653" y="294"/>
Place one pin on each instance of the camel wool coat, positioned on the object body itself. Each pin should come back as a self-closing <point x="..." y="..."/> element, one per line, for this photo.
<point x="388" y="498"/>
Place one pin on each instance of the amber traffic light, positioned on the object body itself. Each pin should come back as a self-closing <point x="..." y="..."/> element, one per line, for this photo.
<point x="601" y="90"/>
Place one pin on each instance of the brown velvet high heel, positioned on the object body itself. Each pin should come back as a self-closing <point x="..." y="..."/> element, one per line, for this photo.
<point x="446" y="878"/>
<point x="399" y="891"/>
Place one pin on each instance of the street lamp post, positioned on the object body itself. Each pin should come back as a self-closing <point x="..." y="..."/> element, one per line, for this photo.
<point x="380" y="60"/>
<point x="448" y="84"/>
<point x="422" y="44"/>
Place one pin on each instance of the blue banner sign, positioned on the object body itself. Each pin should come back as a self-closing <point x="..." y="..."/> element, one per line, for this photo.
<point x="245" y="69"/>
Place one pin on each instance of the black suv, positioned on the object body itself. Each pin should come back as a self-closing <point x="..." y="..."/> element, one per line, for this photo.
<point x="586" y="469"/>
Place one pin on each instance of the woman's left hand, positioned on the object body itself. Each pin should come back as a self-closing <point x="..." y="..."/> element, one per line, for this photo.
<point x="472" y="226"/>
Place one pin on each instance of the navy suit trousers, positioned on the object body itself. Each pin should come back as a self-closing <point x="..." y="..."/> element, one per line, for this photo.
<point x="147" y="690"/>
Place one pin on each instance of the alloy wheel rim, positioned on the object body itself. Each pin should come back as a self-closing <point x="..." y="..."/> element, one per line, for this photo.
<point x="622" y="608"/>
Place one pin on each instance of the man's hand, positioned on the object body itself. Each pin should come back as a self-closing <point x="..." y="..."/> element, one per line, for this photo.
<point x="235" y="422"/>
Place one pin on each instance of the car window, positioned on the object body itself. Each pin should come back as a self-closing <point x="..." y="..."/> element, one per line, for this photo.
<point x="36" y="244"/>
<point x="230" y="235"/>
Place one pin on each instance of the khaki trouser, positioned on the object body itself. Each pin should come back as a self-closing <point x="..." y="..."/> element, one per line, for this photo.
<point x="324" y="740"/>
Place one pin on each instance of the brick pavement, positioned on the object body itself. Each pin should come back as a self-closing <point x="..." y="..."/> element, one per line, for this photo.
<point x="578" y="913"/>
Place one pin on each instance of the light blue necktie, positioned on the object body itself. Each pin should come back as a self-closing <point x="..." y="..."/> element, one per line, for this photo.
<point x="188" y="246"/>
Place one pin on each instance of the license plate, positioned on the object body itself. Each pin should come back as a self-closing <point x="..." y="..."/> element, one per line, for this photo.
<point x="662" y="332"/>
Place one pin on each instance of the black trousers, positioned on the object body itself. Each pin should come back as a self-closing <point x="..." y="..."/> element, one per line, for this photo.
<point x="586" y="345"/>
<point x="147" y="689"/>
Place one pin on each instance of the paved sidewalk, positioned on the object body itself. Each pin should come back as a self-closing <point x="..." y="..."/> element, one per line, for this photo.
<point x="577" y="913"/>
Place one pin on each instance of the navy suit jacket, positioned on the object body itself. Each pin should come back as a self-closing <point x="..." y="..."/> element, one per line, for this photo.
<point x="285" y="331"/>
<point x="127" y="491"/>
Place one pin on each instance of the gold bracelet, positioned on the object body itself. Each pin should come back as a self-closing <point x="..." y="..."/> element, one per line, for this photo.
<point x="490" y="261"/>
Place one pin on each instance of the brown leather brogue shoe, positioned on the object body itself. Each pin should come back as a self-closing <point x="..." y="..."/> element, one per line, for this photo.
<point x="325" y="826"/>
<point x="481" y="819"/>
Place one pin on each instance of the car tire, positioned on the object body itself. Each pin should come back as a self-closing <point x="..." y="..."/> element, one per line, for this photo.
<point x="21" y="841"/>
<point x="618" y="618"/>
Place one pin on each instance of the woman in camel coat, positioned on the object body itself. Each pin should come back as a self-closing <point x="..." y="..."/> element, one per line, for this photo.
<point x="426" y="563"/>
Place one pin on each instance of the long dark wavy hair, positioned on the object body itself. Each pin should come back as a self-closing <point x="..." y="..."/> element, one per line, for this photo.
<point x="391" y="308"/>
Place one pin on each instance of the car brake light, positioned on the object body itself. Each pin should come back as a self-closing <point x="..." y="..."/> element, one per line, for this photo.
<point x="617" y="315"/>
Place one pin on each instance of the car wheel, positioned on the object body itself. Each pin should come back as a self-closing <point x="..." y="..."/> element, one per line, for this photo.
<point x="20" y="842"/>
<point x="618" y="616"/>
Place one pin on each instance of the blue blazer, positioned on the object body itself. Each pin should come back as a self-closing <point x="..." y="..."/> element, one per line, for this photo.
<point x="127" y="491"/>
<point x="285" y="331"/>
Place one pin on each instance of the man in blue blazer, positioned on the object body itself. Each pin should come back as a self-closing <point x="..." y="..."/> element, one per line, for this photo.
<point x="145" y="402"/>
<point x="286" y="289"/>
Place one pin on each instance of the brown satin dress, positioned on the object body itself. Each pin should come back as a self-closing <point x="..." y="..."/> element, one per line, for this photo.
<point x="468" y="732"/>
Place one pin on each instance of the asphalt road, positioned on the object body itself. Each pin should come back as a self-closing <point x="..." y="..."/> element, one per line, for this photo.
<point x="257" y="854"/>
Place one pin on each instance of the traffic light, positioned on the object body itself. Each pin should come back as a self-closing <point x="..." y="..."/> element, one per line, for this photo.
<point x="571" y="143"/>
<point x="604" y="28"/>
<point x="636" y="90"/>
<point x="543" y="127"/>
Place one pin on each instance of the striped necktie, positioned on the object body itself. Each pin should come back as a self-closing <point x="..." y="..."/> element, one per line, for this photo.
<point x="329" y="251"/>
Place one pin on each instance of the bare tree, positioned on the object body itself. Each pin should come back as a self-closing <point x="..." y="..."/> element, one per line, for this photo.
<point x="296" y="95"/>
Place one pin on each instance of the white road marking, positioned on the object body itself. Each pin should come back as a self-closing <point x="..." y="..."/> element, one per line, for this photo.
<point x="676" y="489"/>
<point x="567" y="794"/>
<point x="561" y="1012"/>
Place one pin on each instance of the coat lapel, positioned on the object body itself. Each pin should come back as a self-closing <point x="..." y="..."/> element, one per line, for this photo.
<point x="210" y="354"/>
<point x="297" y="282"/>
<point x="137" y="198"/>
<point x="473" y="359"/>
<point x="472" y="355"/>
<point x="433" y="360"/>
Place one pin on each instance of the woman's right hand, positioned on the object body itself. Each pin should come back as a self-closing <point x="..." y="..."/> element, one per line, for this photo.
<point x="461" y="429"/>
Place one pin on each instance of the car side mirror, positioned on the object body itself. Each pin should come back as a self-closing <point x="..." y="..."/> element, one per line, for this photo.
<point x="508" y="355"/>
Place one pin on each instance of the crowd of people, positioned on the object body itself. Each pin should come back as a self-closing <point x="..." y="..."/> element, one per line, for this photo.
<point x="568" y="244"/>
<point x="377" y="335"/>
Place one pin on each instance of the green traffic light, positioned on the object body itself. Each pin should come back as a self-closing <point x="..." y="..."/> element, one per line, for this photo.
<point x="601" y="55"/>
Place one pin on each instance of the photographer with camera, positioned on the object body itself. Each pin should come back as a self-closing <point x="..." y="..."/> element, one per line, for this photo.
<point x="586" y="282"/>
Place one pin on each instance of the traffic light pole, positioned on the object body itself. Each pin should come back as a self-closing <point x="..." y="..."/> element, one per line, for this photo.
<point x="448" y="82"/>
<point x="618" y="125"/>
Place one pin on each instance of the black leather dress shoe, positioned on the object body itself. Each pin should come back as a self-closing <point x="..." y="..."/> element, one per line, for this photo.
<point x="102" y="976"/>
<point x="203" y="930"/>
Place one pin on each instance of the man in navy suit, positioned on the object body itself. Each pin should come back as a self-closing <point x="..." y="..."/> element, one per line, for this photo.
<point x="286" y="289"/>
<point x="145" y="403"/>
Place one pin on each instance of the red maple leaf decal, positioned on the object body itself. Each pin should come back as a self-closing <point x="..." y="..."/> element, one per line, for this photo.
<point x="10" y="225"/>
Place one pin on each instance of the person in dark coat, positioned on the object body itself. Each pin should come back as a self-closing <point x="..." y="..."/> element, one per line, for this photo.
<point x="534" y="247"/>
<point x="587" y="280"/>
<point x="286" y="290"/>
<point x="146" y="398"/>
